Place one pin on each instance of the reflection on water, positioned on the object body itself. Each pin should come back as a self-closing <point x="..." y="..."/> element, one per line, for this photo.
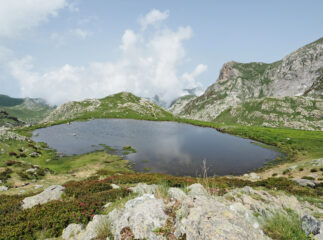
<point x="167" y="147"/>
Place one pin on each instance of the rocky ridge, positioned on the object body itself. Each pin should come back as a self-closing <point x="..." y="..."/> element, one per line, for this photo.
<point x="298" y="74"/>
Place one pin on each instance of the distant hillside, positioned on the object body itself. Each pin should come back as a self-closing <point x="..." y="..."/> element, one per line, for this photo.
<point x="120" y="105"/>
<point x="27" y="110"/>
<point x="298" y="74"/>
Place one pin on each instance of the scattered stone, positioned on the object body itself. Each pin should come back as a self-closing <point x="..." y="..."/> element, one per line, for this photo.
<point x="3" y="188"/>
<point x="32" y="170"/>
<point x="38" y="186"/>
<point x="176" y="194"/>
<point x="254" y="176"/>
<point x="49" y="194"/>
<point x="143" y="188"/>
<point x="196" y="189"/>
<point x="305" y="182"/>
<point x="107" y="205"/>
<point x="114" y="186"/>
<point x="291" y="168"/>
<point x="72" y="231"/>
<point x="310" y="225"/>
<point x="33" y="154"/>
<point x="141" y="215"/>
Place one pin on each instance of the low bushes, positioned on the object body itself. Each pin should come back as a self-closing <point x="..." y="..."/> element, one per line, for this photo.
<point x="53" y="217"/>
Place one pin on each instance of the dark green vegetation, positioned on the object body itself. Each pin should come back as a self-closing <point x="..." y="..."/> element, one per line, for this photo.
<point x="24" y="110"/>
<point x="85" y="198"/>
<point x="6" y="101"/>
<point x="285" y="227"/>
<point x="81" y="202"/>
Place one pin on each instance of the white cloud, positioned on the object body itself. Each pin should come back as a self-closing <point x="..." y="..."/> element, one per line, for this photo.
<point x="17" y="16"/>
<point x="190" y="77"/>
<point x="153" y="17"/>
<point x="148" y="65"/>
<point x="129" y="39"/>
<point x="81" y="33"/>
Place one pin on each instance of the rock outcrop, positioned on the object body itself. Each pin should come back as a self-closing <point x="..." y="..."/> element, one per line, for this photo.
<point x="49" y="194"/>
<point x="141" y="216"/>
<point x="298" y="74"/>
<point x="197" y="214"/>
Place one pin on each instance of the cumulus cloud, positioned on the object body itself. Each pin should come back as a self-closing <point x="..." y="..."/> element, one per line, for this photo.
<point x="148" y="65"/>
<point x="190" y="77"/>
<point x="153" y="17"/>
<point x="17" y="16"/>
<point x="129" y="39"/>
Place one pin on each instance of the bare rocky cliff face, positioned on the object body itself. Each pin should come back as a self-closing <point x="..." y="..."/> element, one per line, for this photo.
<point x="298" y="74"/>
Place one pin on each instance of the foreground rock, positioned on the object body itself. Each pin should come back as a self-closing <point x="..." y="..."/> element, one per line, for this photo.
<point x="91" y="232"/>
<point x="196" y="215"/>
<point x="49" y="194"/>
<point x="140" y="217"/>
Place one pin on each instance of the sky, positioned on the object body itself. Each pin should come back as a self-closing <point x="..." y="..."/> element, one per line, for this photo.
<point x="63" y="50"/>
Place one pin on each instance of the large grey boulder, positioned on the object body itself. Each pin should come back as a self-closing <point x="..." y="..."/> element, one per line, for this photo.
<point x="310" y="225"/>
<point x="143" y="188"/>
<point x="49" y="194"/>
<point x="141" y="216"/>
<point x="177" y="194"/>
<point x="305" y="182"/>
<point x="196" y="189"/>
<point x="203" y="217"/>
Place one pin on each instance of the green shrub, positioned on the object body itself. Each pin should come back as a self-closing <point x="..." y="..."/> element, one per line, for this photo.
<point x="301" y="169"/>
<point x="308" y="178"/>
<point x="53" y="217"/>
<point x="313" y="170"/>
<point x="6" y="174"/>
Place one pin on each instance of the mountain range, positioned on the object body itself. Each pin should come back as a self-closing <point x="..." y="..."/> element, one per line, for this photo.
<point x="286" y="93"/>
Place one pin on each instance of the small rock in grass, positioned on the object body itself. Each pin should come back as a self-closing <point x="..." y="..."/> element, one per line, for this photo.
<point x="3" y="188"/>
<point x="114" y="186"/>
<point x="310" y="225"/>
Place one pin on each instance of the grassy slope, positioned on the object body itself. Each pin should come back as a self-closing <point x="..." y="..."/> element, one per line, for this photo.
<point x="121" y="105"/>
<point x="26" y="110"/>
<point x="281" y="108"/>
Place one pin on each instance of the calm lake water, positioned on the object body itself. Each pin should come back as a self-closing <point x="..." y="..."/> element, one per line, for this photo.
<point x="166" y="147"/>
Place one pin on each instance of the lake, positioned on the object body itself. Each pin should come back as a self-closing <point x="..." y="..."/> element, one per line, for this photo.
<point x="167" y="147"/>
